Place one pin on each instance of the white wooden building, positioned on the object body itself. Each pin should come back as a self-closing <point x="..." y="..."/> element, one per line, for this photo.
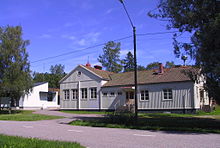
<point x="39" y="98"/>
<point x="162" y="90"/>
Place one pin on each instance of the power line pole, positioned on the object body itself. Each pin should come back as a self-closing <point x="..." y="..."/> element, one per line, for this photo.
<point x="135" y="63"/>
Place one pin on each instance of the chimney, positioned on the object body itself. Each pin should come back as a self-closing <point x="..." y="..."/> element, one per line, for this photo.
<point x="88" y="64"/>
<point x="161" y="70"/>
<point x="98" y="67"/>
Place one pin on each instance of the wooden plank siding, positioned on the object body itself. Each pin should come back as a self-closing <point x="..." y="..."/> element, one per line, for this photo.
<point x="182" y="93"/>
<point x="85" y="80"/>
<point x="185" y="94"/>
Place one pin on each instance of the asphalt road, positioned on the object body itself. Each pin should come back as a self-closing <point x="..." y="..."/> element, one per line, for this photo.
<point x="106" y="137"/>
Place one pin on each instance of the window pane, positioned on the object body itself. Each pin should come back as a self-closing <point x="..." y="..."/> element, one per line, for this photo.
<point x="84" y="93"/>
<point x="104" y="94"/>
<point x="168" y="94"/>
<point x="146" y="95"/>
<point x="119" y="93"/>
<point x="93" y="93"/>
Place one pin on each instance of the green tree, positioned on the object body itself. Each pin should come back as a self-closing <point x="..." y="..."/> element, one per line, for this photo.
<point x="15" y="77"/>
<point x="53" y="78"/>
<point x="153" y="65"/>
<point x="57" y="69"/>
<point x="111" y="57"/>
<point x="201" y="18"/>
<point x="128" y="62"/>
<point x="169" y="64"/>
<point x="140" y="67"/>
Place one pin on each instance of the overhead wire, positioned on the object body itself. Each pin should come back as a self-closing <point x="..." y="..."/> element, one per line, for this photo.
<point x="71" y="52"/>
<point x="97" y="45"/>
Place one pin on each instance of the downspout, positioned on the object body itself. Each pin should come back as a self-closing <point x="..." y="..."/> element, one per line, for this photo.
<point x="100" y="99"/>
<point x="184" y="103"/>
<point x="79" y="95"/>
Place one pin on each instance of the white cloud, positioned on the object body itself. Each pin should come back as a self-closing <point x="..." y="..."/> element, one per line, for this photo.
<point x="68" y="24"/>
<point x="124" y="52"/>
<point x="88" y="39"/>
<point x="86" y="5"/>
<point x="70" y="37"/>
<point x="85" y="40"/>
<point x="45" y="36"/>
<point x="109" y="11"/>
<point x="93" y="36"/>
<point x="141" y="12"/>
<point x="82" y="42"/>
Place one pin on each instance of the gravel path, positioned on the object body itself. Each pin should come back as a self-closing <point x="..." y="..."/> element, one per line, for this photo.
<point x="105" y="137"/>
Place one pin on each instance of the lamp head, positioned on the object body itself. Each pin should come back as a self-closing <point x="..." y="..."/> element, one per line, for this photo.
<point x="121" y="1"/>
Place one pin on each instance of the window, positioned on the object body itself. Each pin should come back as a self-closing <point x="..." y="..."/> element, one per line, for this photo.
<point x="50" y="96"/>
<point x="119" y="93"/>
<point x="112" y="94"/>
<point x="93" y="93"/>
<point x="144" y="95"/>
<point x="167" y="94"/>
<point x="66" y="95"/>
<point x="84" y="93"/>
<point x="79" y="73"/>
<point x="129" y="95"/>
<point x="104" y="94"/>
<point x="74" y="94"/>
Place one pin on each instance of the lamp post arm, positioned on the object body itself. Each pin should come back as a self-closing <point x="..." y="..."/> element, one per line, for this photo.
<point x="127" y="13"/>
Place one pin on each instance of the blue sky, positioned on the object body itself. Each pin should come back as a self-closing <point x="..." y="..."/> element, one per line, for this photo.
<point x="56" y="27"/>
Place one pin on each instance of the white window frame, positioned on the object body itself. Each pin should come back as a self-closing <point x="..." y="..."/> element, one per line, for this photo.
<point x="104" y="93"/>
<point x="144" y="95"/>
<point x="74" y="94"/>
<point x="93" y="93"/>
<point x="66" y="94"/>
<point x="168" y="93"/>
<point x="84" y="93"/>
<point x="112" y="95"/>
<point x="120" y="93"/>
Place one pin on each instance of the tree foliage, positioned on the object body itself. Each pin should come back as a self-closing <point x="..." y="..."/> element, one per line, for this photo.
<point x="57" y="69"/>
<point x="140" y="67"/>
<point x="201" y="18"/>
<point x="128" y="62"/>
<point x="15" y="77"/>
<point x="53" y="78"/>
<point x="169" y="64"/>
<point x="153" y="65"/>
<point x="111" y="57"/>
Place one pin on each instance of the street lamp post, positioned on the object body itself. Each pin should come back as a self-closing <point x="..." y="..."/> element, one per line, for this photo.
<point x="135" y="63"/>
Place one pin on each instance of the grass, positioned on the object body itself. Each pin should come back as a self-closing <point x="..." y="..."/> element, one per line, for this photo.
<point x="83" y="112"/>
<point x="159" y="121"/>
<point x="25" y="115"/>
<point x="215" y="112"/>
<point x="19" y="142"/>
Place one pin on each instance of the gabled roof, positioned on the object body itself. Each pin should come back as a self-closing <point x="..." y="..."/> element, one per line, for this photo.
<point x="102" y="73"/>
<point x="177" y="74"/>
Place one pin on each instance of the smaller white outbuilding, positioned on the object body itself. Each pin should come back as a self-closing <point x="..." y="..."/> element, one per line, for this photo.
<point x="40" y="98"/>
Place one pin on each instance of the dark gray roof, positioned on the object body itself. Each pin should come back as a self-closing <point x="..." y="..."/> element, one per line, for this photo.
<point x="38" y="83"/>
<point x="178" y="74"/>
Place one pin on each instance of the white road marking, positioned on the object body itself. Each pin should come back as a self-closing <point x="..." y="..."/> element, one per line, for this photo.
<point x="144" y="135"/>
<point x="26" y="126"/>
<point x="78" y="131"/>
<point x="4" y="121"/>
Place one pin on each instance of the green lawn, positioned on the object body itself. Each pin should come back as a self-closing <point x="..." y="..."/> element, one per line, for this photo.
<point x="25" y="115"/>
<point x="201" y="122"/>
<point x="83" y="112"/>
<point x="19" y="142"/>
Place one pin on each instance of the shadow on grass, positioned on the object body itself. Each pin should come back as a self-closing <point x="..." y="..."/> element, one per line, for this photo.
<point x="12" y="112"/>
<point x="153" y="122"/>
